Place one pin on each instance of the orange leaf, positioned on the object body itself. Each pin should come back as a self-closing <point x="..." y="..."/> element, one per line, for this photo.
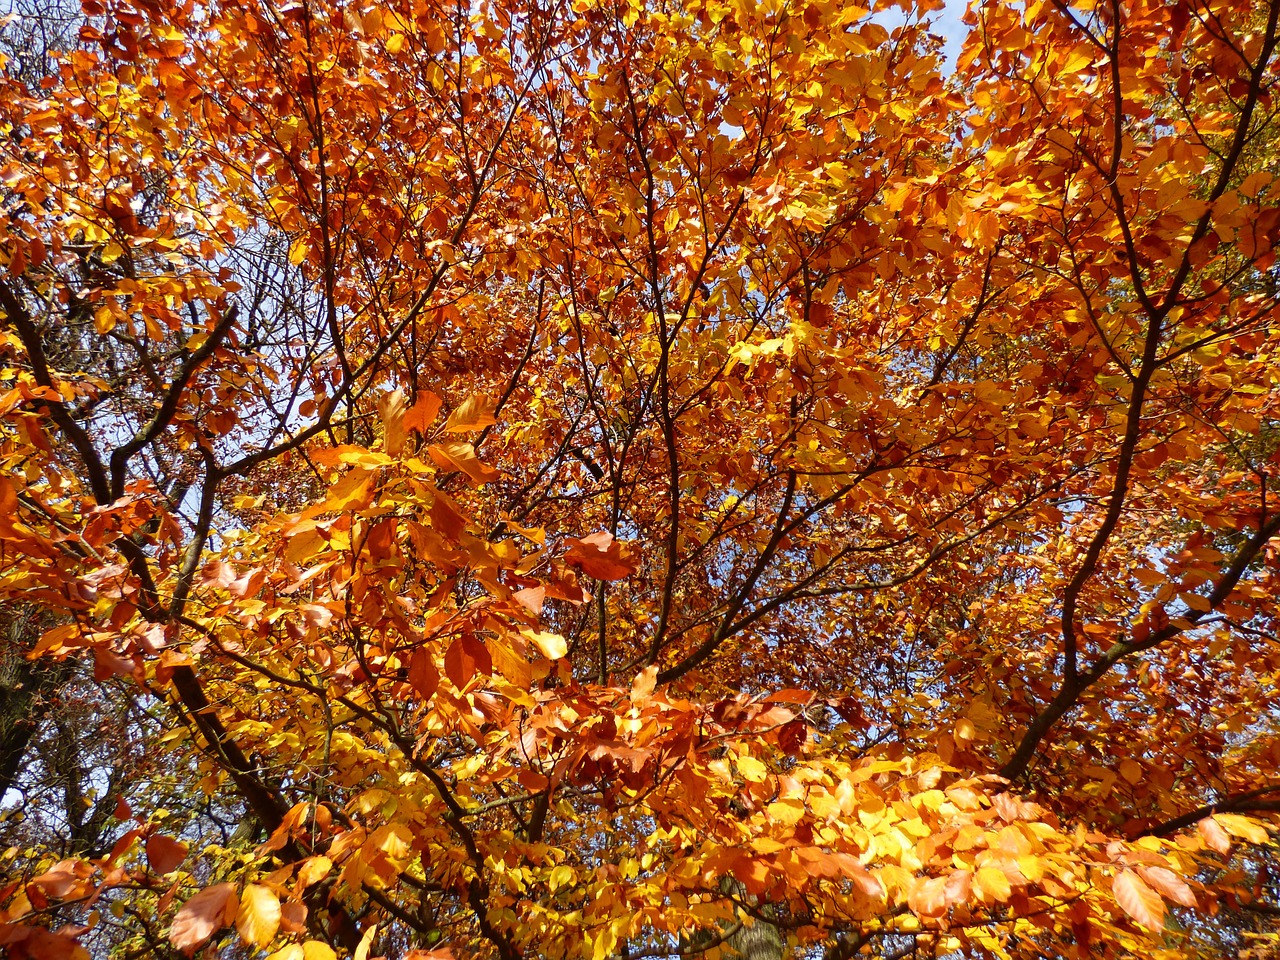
<point x="259" y="916"/>
<point x="164" y="853"/>
<point x="475" y="413"/>
<point x="1169" y="885"/>
<point x="1214" y="836"/>
<point x="601" y="556"/>
<point x="465" y="658"/>
<point x="531" y="598"/>
<point x="1138" y="900"/>
<point x="8" y="498"/>
<point x="462" y="458"/>
<point x="423" y="413"/>
<point x="423" y="675"/>
<point x="313" y="870"/>
<point x="446" y="517"/>
<point x="391" y="409"/>
<point x="202" y="916"/>
<point x="929" y="897"/>
<point x="642" y="686"/>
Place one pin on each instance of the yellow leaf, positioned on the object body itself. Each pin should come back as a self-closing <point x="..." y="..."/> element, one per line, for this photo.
<point x="1131" y="770"/>
<point x="786" y="811"/>
<point x="315" y="950"/>
<point x="752" y="769"/>
<point x="1242" y="827"/>
<point x="104" y="319"/>
<point x="259" y="917"/>
<point x="992" y="884"/>
<point x="550" y="645"/>
<point x="313" y="870"/>
<point x="362" y="949"/>
<point x="352" y="492"/>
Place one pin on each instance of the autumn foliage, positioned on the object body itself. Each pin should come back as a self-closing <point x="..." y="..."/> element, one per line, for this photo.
<point x="589" y="478"/>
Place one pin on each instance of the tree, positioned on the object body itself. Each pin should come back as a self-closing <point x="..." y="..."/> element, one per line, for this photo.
<point x="637" y="480"/>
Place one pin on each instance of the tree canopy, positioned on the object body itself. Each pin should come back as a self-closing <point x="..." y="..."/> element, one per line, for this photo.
<point x="624" y="479"/>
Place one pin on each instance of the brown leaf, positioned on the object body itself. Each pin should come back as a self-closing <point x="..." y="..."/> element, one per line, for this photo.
<point x="36" y="943"/>
<point x="293" y="917"/>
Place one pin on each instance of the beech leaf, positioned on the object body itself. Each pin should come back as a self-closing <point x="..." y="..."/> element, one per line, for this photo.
<point x="474" y="413"/>
<point x="259" y="916"/>
<point x="209" y="911"/>
<point x="1138" y="900"/>
<point x="164" y="853"/>
<point x="601" y="556"/>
